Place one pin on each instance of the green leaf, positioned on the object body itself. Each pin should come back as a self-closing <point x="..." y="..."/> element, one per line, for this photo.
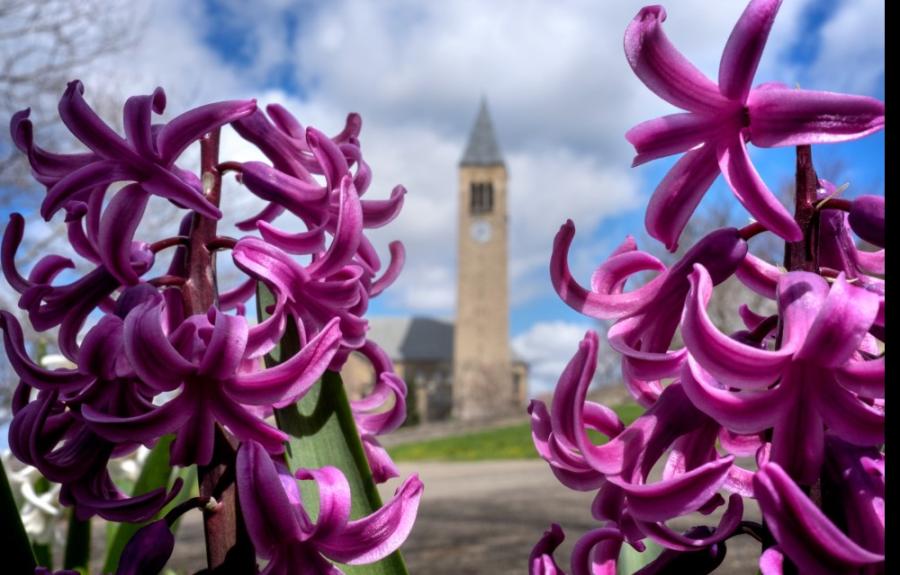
<point x="43" y="552"/>
<point x="18" y="556"/>
<point x="323" y="432"/>
<point x="630" y="561"/>
<point x="154" y="474"/>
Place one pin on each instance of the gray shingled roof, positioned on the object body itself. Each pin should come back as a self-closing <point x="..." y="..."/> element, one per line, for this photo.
<point x="482" y="149"/>
<point x="416" y="338"/>
<point x="413" y="338"/>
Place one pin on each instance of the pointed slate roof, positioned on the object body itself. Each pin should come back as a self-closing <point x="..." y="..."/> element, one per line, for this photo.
<point x="482" y="149"/>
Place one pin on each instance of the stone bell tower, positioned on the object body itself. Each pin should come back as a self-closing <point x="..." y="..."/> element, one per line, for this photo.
<point x="482" y="369"/>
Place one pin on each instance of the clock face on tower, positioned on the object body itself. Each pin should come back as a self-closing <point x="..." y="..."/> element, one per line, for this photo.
<point x="480" y="231"/>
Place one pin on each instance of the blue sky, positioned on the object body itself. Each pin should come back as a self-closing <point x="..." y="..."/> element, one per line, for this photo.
<point x="560" y="93"/>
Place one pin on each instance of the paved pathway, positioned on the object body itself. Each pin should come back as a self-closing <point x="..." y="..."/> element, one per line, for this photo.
<point x="483" y="518"/>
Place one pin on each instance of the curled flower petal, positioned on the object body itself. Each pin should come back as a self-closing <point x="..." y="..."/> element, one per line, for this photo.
<point x="117" y="226"/>
<point x="286" y="382"/>
<point x="865" y="378"/>
<point x="596" y="303"/>
<point x="689" y="541"/>
<point x="148" y="550"/>
<point x="805" y="534"/>
<point x="377" y="535"/>
<point x="663" y="69"/>
<point x="840" y="325"/>
<point x="745" y="412"/>
<point x="866" y="218"/>
<point x="269" y="515"/>
<point x="672" y="497"/>
<point x="597" y="552"/>
<point x="729" y="361"/>
<point x="541" y="561"/>
<point x="151" y="354"/>
<point x="179" y="132"/>
<point x="30" y="372"/>
<point x="853" y="419"/>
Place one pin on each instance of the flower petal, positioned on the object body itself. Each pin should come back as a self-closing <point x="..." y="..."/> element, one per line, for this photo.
<point x="87" y="126"/>
<point x="789" y="117"/>
<point x="678" y="194"/>
<point x="729" y="361"/>
<point x="540" y="561"/>
<point x="334" y="501"/>
<point x="679" y="495"/>
<point x="663" y="69"/>
<point x="271" y="520"/>
<point x="745" y="47"/>
<point x="751" y="191"/>
<point x="378" y="535"/>
<point x="669" y="135"/>
<point x="841" y="324"/>
<point x="597" y="552"/>
<point x="190" y="126"/>
<point x="598" y="304"/>
<point x="117" y="227"/>
<point x="845" y="414"/>
<point x="286" y="382"/>
<point x="686" y="542"/>
<point x="806" y="535"/>
<point x="392" y="272"/>
<point x="744" y="412"/>
<point x="153" y="357"/>
<point x="865" y="378"/>
<point x="866" y="218"/>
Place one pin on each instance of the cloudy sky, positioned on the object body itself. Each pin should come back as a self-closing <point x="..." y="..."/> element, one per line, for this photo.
<point x="560" y="92"/>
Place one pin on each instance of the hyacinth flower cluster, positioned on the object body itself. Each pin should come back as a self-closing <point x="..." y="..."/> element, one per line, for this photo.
<point x="789" y="411"/>
<point x="156" y="350"/>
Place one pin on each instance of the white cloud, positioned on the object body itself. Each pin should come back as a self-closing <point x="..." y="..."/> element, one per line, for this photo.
<point x="850" y="54"/>
<point x="548" y="347"/>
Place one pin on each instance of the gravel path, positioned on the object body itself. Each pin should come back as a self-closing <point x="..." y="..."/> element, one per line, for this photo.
<point x="483" y="518"/>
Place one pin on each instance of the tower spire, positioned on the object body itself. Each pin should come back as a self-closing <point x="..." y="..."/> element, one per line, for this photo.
<point x="482" y="149"/>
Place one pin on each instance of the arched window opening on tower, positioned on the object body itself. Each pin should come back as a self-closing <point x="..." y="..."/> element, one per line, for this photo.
<point x="481" y="199"/>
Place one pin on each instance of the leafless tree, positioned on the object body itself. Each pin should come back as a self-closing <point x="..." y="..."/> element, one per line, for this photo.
<point x="43" y="45"/>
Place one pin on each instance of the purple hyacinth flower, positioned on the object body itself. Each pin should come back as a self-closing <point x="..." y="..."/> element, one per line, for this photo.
<point x="148" y="550"/>
<point x="699" y="562"/>
<point x="804" y="534"/>
<point x="541" y="561"/>
<point x="67" y="306"/>
<point x="818" y="375"/>
<point x="721" y="119"/>
<point x="146" y="155"/>
<point x="383" y="410"/>
<point x="283" y="533"/>
<point x="647" y="317"/>
<point x="620" y="468"/>
<point x="596" y="553"/>
<point x="297" y="155"/>
<point x="867" y="219"/>
<point x="205" y="358"/>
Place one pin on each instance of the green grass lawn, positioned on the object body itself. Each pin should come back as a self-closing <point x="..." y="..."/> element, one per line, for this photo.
<point x="512" y="442"/>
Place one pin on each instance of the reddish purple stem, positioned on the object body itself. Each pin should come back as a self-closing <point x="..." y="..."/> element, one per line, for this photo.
<point x="228" y="547"/>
